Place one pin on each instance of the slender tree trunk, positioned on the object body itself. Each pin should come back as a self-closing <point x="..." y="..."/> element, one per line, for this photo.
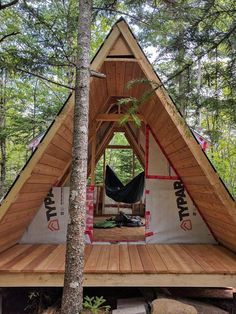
<point x="73" y="291"/>
<point x="3" y="158"/>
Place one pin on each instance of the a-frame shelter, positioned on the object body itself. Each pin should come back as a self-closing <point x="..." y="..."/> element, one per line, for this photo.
<point x="121" y="59"/>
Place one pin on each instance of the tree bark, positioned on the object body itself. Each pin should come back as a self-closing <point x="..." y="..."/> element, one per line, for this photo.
<point x="73" y="291"/>
<point x="3" y="158"/>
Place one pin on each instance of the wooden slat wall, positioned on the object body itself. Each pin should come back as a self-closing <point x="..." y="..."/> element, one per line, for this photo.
<point x="46" y="173"/>
<point x="220" y="221"/>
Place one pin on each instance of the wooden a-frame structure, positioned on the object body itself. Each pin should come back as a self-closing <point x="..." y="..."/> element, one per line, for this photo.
<point x="121" y="59"/>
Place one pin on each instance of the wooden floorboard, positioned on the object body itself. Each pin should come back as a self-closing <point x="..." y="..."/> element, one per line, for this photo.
<point x="119" y="264"/>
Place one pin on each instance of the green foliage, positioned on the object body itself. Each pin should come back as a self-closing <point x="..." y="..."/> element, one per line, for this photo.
<point x="95" y="304"/>
<point x="120" y="160"/>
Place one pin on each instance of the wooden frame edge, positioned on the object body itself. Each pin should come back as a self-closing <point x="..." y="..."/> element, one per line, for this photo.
<point x="120" y="280"/>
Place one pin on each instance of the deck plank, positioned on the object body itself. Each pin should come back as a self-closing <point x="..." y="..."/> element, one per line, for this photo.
<point x="203" y="257"/>
<point x="90" y="266"/>
<point x="187" y="262"/>
<point x="224" y="258"/>
<point x="128" y="260"/>
<point x="39" y="258"/>
<point x="136" y="263"/>
<point x="87" y="251"/>
<point x="50" y="263"/>
<point x="18" y="257"/>
<point x="125" y="265"/>
<point x="18" y="264"/>
<point x="170" y="258"/>
<point x="103" y="259"/>
<point x="114" y="259"/>
<point x="148" y="266"/>
<point x="59" y="261"/>
<point x="12" y="253"/>
<point x="157" y="261"/>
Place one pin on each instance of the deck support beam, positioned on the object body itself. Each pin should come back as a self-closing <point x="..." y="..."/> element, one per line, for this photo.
<point x="119" y="280"/>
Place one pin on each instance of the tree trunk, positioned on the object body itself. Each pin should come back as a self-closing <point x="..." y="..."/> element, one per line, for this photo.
<point x="73" y="291"/>
<point x="3" y="158"/>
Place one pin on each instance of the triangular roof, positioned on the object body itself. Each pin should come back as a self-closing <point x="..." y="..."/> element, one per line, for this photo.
<point x="121" y="59"/>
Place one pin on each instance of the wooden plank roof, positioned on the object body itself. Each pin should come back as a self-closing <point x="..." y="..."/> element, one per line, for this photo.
<point x="121" y="59"/>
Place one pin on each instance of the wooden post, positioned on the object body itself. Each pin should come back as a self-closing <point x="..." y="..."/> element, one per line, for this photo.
<point x="93" y="156"/>
<point x="133" y="174"/>
<point x="104" y="173"/>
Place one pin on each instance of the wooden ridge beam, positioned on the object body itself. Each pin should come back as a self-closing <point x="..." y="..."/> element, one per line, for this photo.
<point x="115" y="117"/>
<point x="116" y="59"/>
<point x="119" y="146"/>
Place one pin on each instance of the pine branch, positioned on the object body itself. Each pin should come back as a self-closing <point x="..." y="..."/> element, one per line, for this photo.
<point x="188" y="65"/>
<point x="122" y="13"/>
<point x="44" y="78"/>
<point x="92" y="73"/>
<point x="7" y="5"/>
<point x="8" y="35"/>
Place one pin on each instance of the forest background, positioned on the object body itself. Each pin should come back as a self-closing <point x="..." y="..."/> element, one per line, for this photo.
<point x="191" y="44"/>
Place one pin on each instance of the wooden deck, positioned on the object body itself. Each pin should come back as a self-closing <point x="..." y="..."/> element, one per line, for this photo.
<point x="122" y="265"/>
<point x="123" y="234"/>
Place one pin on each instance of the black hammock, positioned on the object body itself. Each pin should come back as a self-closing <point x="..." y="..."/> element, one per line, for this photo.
<point x="130" y="193"/>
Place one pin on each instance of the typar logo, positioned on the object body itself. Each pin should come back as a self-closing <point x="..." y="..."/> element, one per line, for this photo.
<point x="51" y="213"/>
<point x="53" y="225"/>
<point x="182" y="206"/>
<point x="186" y="225"/>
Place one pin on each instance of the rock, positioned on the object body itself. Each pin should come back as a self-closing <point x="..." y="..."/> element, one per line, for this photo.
<point x="170" y="306"/>
<point x="129" y="302"/>
<point x="182" y="306"/>
<point x="204" y="308"/>
<point x="138" y="309"/>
